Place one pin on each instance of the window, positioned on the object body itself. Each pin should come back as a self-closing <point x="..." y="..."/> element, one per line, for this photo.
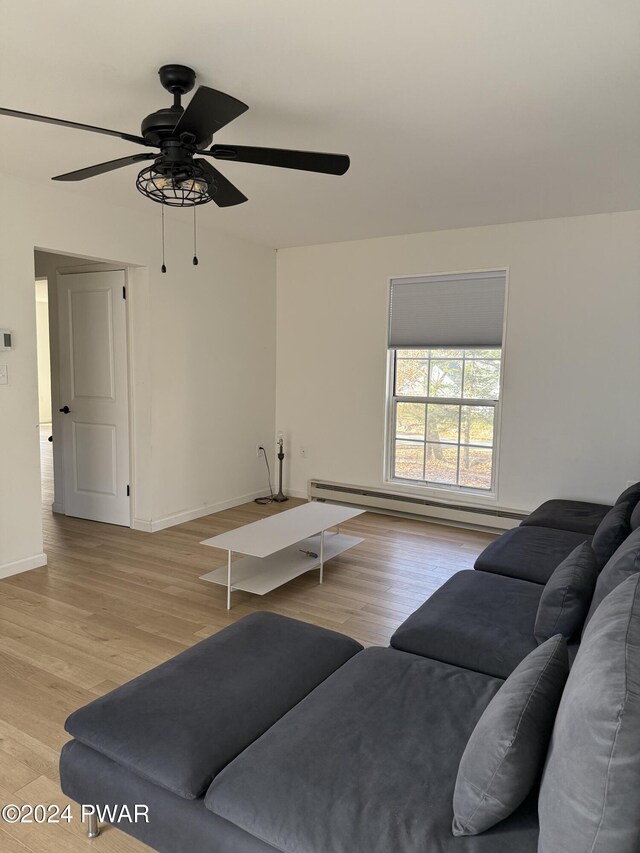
<point x="446" y="359"/>
<point x="444" y="414"/>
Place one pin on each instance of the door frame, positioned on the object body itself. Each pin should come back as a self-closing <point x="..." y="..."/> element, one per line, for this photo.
<point x="91" y="266"/>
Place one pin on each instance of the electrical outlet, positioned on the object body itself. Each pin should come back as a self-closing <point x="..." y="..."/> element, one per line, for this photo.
<point x="259" y="450"/>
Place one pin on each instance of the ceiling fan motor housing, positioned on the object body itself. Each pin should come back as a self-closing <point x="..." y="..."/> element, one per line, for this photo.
<point x="159" y="125"/>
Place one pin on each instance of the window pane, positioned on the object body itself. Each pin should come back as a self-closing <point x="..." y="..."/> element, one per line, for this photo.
<point x="476" y="426"/>
<point x="442" y="463"/>
<point x="410" y="420"/>
<point x="483" y="353"/>
<point x="446" y="353"/>
<point x="412" y="377"/>
<point x="442" y="422"/>
<point x="475" y="467"/>
<point x="482" y="379"/>
<point x="446" y="378"/>
<point x="409" y="460"/>
<point x="412" y="353"/>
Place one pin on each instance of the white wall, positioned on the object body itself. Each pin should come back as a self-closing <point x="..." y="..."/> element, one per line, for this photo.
<point x="571" y="408"/>
<point x="203" y="357"/>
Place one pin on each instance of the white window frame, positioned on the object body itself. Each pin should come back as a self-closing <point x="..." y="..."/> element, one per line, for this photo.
<point x="427" y="487"/>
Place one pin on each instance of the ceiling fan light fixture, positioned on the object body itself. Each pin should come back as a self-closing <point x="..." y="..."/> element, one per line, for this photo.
<point x="174" y="191"/>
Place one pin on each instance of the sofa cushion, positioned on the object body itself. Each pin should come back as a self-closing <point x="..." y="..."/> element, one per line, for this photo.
<point x="506" y="751"/>
<point x="566" y="598"/>
<point x="630" y="495"/>
<point x="529" y="553"/>
<point x="367" y="764"/>
<point x="477" y="620"/>
<point x="625" y="562"/>
<point x="635" y="518"/>
<point x="579" y="516"/>
<point x="590" y="792"/>
<point x="612" y="531"/>
<point x="180" y="723"/>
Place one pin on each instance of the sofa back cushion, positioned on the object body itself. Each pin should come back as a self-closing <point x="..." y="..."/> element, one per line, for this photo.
<point x="590" y="792"/>
<point x="612" y="531"/>
<point x="566" y="598"/>
<point x="625" y="562"/>
<point x="505" y="753"/>
<point x="630" y="495"/>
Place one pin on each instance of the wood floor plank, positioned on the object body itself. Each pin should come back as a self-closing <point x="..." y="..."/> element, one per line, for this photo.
<point x="11" y="845"/>
<point x="114" y="602"/>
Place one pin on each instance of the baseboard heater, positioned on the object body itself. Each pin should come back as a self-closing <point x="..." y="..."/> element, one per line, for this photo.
<point x="394" y="502"/>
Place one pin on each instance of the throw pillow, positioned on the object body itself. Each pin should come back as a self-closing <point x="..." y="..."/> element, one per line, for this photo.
<point x="625" y="562"/>
<point x="506" y="751"/>
<point x="566" y="598"/>
<point x="630" y="495"/>
<point x="612" y="531"/>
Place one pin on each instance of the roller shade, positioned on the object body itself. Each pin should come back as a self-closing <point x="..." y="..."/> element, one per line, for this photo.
<point x="462" y="311"/>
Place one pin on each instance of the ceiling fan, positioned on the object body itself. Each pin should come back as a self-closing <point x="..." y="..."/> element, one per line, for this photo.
<point x="178" y="177"/>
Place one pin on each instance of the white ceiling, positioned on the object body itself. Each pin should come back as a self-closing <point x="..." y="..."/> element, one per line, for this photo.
<point x="454" y="112"/>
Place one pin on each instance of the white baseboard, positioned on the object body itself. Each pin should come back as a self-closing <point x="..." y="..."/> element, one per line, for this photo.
<point x="191" y="514"/>
<point x="17" y="566"/>
<point x="142" y="525"/>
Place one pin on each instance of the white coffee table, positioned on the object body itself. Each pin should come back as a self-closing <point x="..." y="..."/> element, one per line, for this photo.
<point x="281" y="547"/>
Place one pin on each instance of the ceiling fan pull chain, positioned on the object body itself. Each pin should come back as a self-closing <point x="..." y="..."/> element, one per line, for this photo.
<point x="163" y="267"/>
<point x="195" y="248"/>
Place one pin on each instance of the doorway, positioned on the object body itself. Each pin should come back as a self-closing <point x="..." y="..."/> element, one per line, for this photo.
<point x="83" y="383"/>
<point x="44" y="389"/>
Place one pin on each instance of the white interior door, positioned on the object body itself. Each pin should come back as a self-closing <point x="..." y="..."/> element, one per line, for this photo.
<point x="93" y="388"/>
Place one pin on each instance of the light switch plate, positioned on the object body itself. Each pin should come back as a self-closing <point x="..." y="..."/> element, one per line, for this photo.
<point x="4" y="374"/>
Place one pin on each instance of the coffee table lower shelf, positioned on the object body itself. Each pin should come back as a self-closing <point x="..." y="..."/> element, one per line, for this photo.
<point x="261" y="575"/>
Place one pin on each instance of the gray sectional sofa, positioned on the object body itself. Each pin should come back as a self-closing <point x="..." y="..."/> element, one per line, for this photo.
<point x="275" y="735"/>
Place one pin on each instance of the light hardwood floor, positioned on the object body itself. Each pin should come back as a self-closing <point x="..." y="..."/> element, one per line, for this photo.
<point x="114" y="602"/>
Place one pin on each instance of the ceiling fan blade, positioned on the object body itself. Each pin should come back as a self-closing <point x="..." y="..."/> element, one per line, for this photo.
<point x="225" y="194"/>
<point x="207" y="112"/>
<point x="64" y="123"/>
<point x="101" y="168"/>
<point x="308" y="161"/>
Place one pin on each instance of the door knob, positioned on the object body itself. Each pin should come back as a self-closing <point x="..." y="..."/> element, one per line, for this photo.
<point x="65" y="410"/>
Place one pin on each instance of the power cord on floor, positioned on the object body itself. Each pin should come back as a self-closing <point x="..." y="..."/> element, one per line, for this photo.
<point x="269" y="500"/>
